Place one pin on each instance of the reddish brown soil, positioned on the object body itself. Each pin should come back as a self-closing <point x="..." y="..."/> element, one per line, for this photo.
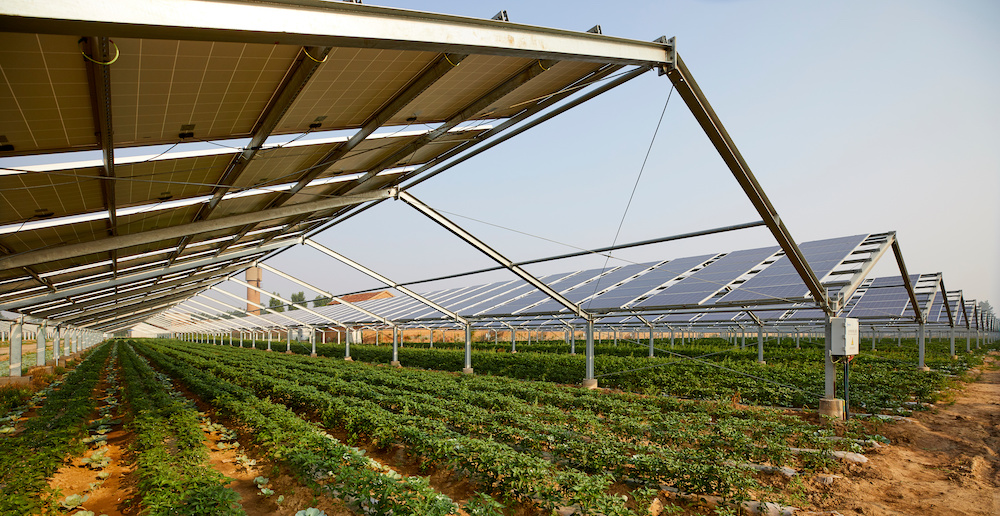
<point x="944" y="463"/>
<point x="115" y="496"/>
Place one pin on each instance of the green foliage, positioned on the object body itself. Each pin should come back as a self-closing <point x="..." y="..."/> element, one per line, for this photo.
<point x="319" y="301"/>
<point x="171" y="458"/>
<point x="275" y="304"/>
<point x="298" y="299"/>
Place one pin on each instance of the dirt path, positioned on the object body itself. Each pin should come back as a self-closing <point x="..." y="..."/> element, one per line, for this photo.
<point x="945" y="462"/>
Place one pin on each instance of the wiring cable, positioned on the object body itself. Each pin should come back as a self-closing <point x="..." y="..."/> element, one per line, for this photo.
<point x="103" y="63"/>
<point x="621" y="223"/>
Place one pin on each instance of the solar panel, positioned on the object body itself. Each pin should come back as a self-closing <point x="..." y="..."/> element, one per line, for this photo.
<point x="528" y="297"/>
<point x="701" y="285"/>
<point x="781" y="281"/>
<point x="885" y="298"/>
<point x="560" y="281"/>
<point x="595" y="281"/>
<point x="647" y="282"/>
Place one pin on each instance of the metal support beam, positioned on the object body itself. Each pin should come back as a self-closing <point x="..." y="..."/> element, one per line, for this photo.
<point x="357" y="266"/>
<point x="99" y="81"/>
<point x="235" y="257"/>
<point x="320" y="291"/>
<point x="699" y="106"/>
<point x="918" y="314"/>
<point x="127" y="306"/>
<point x="496" y="256"/>
<point x="335" y="24"/>
<point x="262" y="307"/>
<point x="286" y="301"/>
<point x="52" y="312"/>
<point x="147" y="237"/>
<point x="301" y="70"/>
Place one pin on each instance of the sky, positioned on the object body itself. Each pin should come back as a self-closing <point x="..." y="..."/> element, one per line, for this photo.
<point x="855" y="117"/>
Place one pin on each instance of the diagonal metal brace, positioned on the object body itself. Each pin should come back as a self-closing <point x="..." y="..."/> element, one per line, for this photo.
<point x="408" y="198"/>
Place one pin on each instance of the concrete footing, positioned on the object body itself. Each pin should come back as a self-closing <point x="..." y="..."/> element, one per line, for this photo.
<point x="954" y="357"/>
<point x="590" y="384"/>
<point x="395" y="363"/>
<point x="833" y="407"/>
<point x="288" y="352"/>
<point x="467" y="370"/>
<point x="348" y="359"/>
<point x="924" y="369"/>
<point x="17" y="381"/>
<point x="41" y="370"/>
<point x="313" y="355"/>
<point x="762" y="362"/>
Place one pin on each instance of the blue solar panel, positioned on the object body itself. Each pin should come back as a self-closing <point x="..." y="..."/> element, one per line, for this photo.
<point x="781" y="281"/>
<point x="649" y="281"/>
<point x="487" y="291"/>
<point x="520" y="303"/>
<point x="503" y="296"/>
<point x="581" y="290"/>
<point x="885" y="298"/>
<point x="704" y="283"/>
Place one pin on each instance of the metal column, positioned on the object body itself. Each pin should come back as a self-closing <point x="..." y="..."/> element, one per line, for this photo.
<point x="16" y="337"/>
<point x="395" y="347"/>
<point x="468" y="350"/>
<point x="920" y="349"/>
<point x="760" y="345"/>
<point x="41" y="339"/>
<point x="589" y="381"/>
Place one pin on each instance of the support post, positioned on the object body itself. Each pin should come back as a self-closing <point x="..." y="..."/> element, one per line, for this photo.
<point x="347" y="345"/>
<point x="16" y="337"/>
<point x="829" y="404"/>
<point x="760" y="344"/>
<point x="288" y="340"/>
<point x="920" y="349"/>
<point x="312" y="340"/>
<point x="572" y="340"/>
<point x="57" y="351"/>
<point x="41" y="339"/>
<point x="952" y="340"/>
<point x="395" y="347"/>
<point x="651" y="341"/>
<point x="468" y="350"/>
<point x="589" y="382"/>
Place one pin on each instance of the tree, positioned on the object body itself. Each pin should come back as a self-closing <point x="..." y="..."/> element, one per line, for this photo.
<point x="275" y="304"/>
<point x="321" y="301"/>
<point x="298" y="299"/>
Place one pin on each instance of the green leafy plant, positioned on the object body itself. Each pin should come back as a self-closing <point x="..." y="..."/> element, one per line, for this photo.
<point x="73" y="501"/>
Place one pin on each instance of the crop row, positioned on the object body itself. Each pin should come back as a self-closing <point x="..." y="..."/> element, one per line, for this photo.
<point x="622" y="437"/>
<point x="37" y="447"/>
<point x="168" y="446"/>
<point x="882" y="381"/>
<point x="309" y="452"/>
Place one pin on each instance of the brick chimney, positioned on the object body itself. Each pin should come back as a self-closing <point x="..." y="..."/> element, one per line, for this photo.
<point x="254" y="275"/>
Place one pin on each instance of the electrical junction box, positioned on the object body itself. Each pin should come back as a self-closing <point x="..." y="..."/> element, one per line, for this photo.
<point x="844" y="336"/>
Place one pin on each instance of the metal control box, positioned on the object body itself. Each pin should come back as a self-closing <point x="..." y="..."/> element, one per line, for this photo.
<point x="844" y="336"/>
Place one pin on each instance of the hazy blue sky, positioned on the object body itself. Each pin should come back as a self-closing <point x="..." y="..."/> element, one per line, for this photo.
<point x="856" y="117"/>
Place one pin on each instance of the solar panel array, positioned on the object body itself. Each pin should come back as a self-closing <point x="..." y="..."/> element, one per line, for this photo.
<point x="659" y="287"/>
<point x="702" y="285"/>
<point x="781" y="281"/>
<point x="885" y="298"/>
<point x="647" y="282"/>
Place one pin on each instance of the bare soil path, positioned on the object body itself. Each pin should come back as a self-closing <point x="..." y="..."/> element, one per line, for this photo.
<point x="944" y="463"/>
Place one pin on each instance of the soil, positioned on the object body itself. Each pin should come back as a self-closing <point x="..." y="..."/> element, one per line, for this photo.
<point x="942" y="462"/>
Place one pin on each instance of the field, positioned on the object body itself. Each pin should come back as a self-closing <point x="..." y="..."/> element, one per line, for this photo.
<point x="141" y="426"/>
